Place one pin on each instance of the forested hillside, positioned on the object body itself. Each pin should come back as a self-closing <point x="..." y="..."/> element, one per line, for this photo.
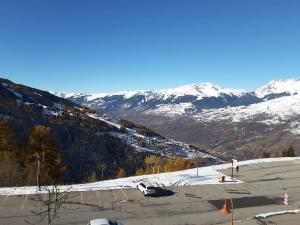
<point x="73" y="143"/>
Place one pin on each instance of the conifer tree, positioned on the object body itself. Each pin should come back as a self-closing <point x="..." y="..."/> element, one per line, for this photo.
<point x="10" y="174"/>
<point x="266" y="155"/>
<point x="52" y="166"/>
<point x="290" y="152"/>
<point x="6" y="140"/>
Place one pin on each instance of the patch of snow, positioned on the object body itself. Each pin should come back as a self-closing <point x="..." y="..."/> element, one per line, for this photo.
<point x="19" y="102"/>
<point x="37" y="94"/>
<point x="91" y="97"/>
<point x="17" y="94"/>
<point x="98" y="117"/>
<point x="268" y="214"/>
<point x="57" y="106"/>
<point x="295" y="127"/>
<point x="172" y="109"/>
<point x="48" y="112"/>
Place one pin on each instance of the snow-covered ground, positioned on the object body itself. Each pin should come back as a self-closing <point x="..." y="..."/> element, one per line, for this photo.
<point x="275" y="111"/>
<point x="98" y="117"/>
<point x="206" y="175"/>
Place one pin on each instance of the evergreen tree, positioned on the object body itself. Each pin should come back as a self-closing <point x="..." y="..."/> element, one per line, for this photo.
<point x="290" y="152"/>
<point x="52" y="166"/>
<point x="10" y="174"/>
<point x="6" y="140"/>
<point x="266" y="155"/>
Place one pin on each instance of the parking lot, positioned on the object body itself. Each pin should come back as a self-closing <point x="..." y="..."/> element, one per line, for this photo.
<point x="263" y="190"/>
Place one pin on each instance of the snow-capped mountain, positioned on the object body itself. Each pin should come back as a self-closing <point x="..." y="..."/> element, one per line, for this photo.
<point x="191" y="100"/>
<point x="288" y="87"/>
<point x="198" y="90"/>
<point x="193" y="113"/>
<point x="186" y="99"/>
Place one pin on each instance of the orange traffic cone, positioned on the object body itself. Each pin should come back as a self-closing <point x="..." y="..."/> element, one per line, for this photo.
<point x="225" y="210"/>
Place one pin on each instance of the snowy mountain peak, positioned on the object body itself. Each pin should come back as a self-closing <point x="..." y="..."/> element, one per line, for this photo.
<point x="291" y="86"/>
<point x="200" y="90"/>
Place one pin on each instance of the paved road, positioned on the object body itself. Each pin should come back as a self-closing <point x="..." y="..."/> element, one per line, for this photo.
<point x="263" y="190"/>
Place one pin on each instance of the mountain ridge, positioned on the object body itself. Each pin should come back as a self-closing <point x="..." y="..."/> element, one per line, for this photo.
<point x="269" y="110"/>
<point x="130" y="93"/>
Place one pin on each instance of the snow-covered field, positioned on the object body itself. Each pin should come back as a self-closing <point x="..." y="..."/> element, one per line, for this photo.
<point x="206" y="175"/>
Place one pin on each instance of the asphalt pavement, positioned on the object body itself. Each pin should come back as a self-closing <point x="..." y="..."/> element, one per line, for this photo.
<point x="262" y="191"/>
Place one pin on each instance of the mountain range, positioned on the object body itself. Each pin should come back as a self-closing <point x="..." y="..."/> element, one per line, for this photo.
<point x="222" y="121"/>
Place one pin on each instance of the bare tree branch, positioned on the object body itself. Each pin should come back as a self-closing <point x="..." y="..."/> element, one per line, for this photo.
<point x="51" y="205"/>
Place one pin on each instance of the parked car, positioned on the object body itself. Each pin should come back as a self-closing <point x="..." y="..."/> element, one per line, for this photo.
<point x="104" y="221"/>
<point x="146" y="188"/>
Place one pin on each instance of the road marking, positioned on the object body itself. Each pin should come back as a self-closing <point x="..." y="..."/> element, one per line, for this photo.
<point x="23" y="204"/>
<point x="80" y="199"/>
<point x="182" y="189"/>
<point x="114" y="195"/>
<point x="44" y="197"/>
<point x="4" y="201"/>
<point x="124" y="194"/>
<point x="99" y="201"/>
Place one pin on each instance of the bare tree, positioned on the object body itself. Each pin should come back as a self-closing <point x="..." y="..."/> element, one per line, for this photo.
<point x="50" y="204"/>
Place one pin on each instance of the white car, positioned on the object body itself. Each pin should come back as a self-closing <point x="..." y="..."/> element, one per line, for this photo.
<point x="104" y="221"/>
<point x="146" y="188"/>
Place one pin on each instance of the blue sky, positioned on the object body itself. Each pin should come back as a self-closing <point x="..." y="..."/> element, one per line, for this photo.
<point x="107" y="46"/>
